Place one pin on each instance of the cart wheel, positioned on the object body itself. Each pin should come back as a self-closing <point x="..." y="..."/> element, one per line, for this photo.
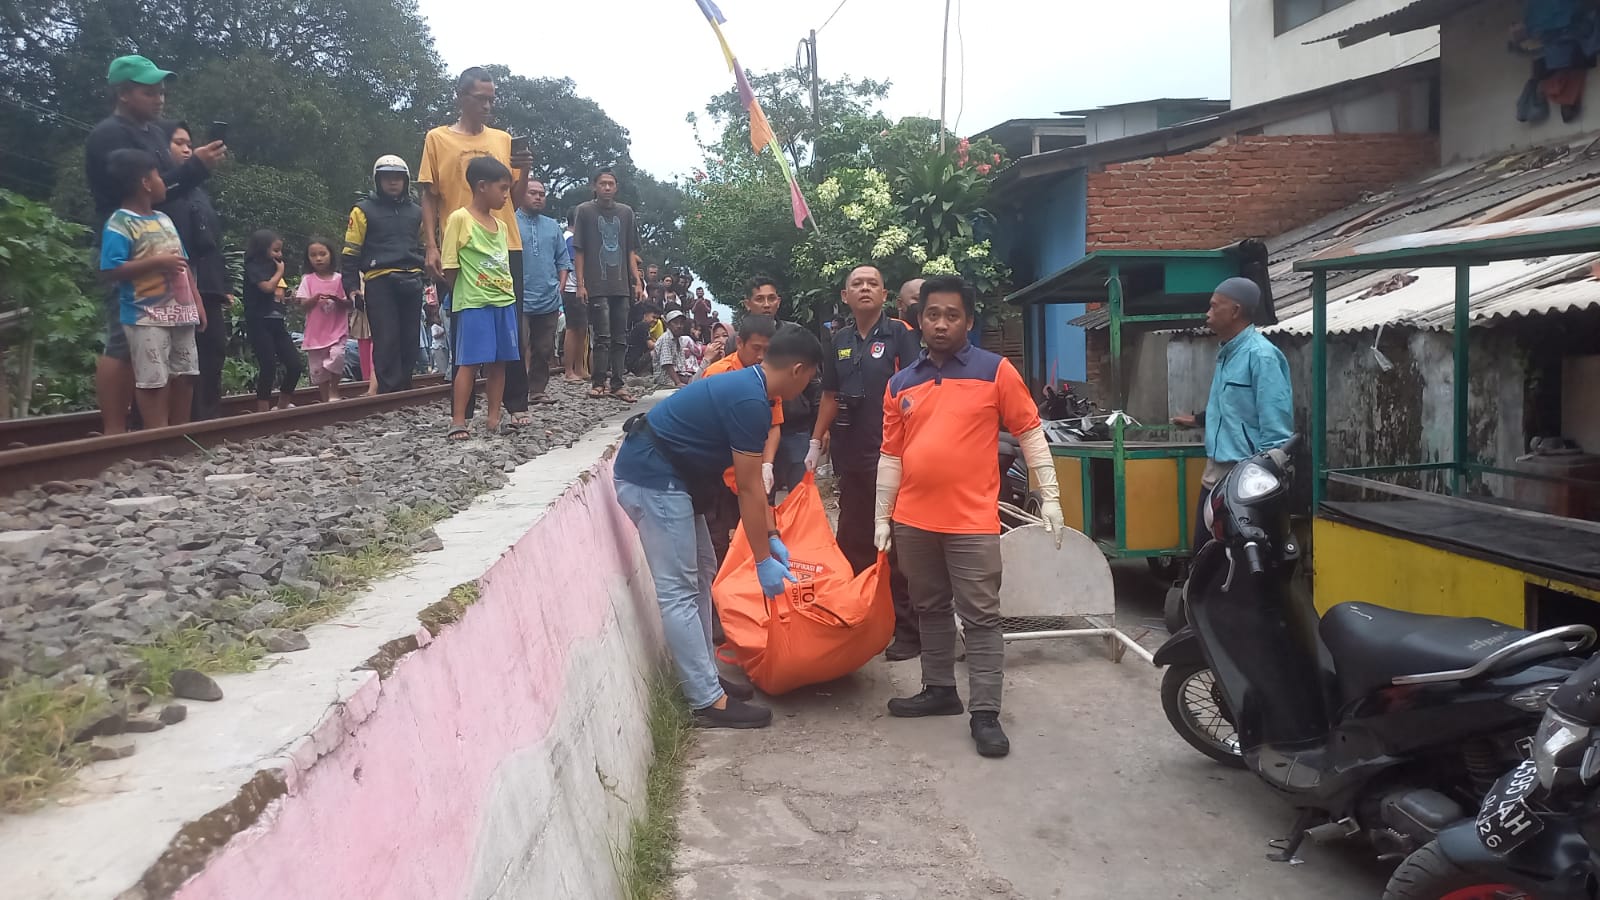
<point x="1165" y="568"/>
<point x="1035" y="504"/>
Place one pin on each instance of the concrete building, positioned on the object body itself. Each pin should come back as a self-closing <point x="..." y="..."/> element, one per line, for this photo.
<point x="1484" y="70"/>
<point x="1270" y="58"/>
<point x="1201" y="184"/>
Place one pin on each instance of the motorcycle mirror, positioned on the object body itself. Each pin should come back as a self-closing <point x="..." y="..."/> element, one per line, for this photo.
<point x="1589" y="769"/>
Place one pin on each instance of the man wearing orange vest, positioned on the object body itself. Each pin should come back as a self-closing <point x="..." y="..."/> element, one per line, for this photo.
<point x="936" y="502"/>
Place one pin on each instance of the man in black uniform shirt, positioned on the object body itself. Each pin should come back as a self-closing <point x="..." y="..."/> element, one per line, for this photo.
<point x="866" y="352"/>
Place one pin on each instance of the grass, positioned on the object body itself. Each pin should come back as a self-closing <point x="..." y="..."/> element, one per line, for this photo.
<point x="38" y="724"/>
<point x="39" y="720"/>
<point x="646" y="866"/>
<point x="190" y="648"/>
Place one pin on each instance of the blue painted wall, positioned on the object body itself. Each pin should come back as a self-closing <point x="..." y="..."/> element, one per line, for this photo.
<point x="1049" y="233"/>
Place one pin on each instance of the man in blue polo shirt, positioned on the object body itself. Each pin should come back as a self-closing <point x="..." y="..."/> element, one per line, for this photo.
<point x="669" y="471"/>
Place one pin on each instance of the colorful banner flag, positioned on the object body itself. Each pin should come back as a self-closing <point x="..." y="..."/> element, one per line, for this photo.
<point x="761" y="133"/>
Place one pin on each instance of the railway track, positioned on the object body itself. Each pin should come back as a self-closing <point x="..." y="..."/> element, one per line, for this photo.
<point x="87" y="457"/>
<point x="37" y="431"/>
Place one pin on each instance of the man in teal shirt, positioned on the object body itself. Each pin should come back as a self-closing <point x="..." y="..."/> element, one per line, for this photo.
<point x="1251" y="406"/>
<point x="546" y="269"/>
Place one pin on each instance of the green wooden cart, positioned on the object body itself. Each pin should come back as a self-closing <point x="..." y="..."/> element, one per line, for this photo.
<point x="1135" y="493"/>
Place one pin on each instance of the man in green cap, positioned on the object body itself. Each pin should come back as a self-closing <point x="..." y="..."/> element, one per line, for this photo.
<point x="141" y="93"/>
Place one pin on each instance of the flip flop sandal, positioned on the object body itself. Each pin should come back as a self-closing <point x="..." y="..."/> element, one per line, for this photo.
<point x="542" y="400"/>
<point x="623" y="396"/>
<point x="596" y="394"/>
<point x="520" y="420"/>
<point x="457" y="433"/>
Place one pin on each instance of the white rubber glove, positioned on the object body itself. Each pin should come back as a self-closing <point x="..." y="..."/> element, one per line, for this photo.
<point x="813" y="455"/>
<point x="766" y="477"/>
<point x="1036" y="453"/>
<point x="889" y="474"/>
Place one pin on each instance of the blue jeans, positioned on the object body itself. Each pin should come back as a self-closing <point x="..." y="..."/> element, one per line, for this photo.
<point x="677" y="545"/>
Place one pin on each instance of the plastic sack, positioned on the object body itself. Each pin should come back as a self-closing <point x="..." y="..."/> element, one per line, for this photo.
<point x="825" y="626"/>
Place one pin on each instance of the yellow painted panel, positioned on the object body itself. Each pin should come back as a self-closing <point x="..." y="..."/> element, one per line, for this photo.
<point x="1069" y="474"/>
<point x="1355" y="564"/>
<point x="1151" y="492"/>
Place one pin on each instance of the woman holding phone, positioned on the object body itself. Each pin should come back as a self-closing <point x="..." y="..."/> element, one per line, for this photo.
<point x="198" y="224"/>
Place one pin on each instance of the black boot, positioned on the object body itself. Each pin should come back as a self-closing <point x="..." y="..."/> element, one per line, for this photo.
<point x="933" y="701"/>
<point x="989" y="736"/>
<point x="736" y="714"/>
<point x="903" y="648"/>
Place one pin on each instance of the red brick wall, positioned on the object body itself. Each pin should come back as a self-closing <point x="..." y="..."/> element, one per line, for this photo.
<point x="1243" y="187"/>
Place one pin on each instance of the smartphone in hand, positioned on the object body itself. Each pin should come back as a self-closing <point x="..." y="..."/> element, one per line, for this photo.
<point x="522" y="145"/>
<point x="218" y="132"/>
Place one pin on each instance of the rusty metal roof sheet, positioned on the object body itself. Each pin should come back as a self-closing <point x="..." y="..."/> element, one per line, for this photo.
<point x="1425" y="298"/>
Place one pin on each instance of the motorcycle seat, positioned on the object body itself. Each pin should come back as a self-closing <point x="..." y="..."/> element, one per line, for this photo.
<point x="1372" y="645"/>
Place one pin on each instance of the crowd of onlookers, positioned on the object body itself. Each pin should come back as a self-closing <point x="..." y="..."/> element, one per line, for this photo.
<point x="456" y="268"/>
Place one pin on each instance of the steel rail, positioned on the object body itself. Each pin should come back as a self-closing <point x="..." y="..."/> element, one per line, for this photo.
<point x="88" y="457"/>
<point x="35" y="431"/>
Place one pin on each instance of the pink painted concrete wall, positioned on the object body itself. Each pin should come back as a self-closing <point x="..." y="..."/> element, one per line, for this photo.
<point x="457" y="776"/>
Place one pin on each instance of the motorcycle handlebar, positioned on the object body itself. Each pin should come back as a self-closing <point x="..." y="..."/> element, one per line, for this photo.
<point x="1252" y="558"/>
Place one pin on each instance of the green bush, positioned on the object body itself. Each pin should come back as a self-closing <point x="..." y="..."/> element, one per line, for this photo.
<point x="48" y="297"/>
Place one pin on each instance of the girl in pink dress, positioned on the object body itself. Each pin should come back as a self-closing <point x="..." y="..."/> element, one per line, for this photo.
<point x="321" y="294"/>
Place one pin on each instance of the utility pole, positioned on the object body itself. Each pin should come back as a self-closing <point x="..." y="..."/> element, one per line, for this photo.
<point x="805" y="59"/>
<point x="944" y="73"/>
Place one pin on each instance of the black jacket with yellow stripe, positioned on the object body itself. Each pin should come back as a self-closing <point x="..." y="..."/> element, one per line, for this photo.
<point x="384" y="236"/>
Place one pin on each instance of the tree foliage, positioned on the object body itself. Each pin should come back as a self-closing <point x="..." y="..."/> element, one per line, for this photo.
<point x="45" y="308"/>
<point x="313" y="91"/>
<point x="881" y="192"/>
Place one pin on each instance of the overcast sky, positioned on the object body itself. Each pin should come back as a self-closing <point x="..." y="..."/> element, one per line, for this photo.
<point x="1024" y="58"/>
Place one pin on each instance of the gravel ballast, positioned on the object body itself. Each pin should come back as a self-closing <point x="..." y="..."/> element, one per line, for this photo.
<point x="92" y="569"/>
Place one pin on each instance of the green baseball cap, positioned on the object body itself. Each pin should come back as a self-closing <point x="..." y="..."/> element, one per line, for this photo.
<point x="136" y="69"/>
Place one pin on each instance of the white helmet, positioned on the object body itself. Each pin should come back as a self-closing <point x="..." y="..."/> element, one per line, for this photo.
<point x="391" y="163"/>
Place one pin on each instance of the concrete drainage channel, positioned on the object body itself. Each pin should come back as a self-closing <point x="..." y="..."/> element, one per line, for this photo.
<point x="435" y="740"/>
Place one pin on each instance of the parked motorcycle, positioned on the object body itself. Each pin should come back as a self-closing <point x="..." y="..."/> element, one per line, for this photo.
<point x="1537" y="833"/>
<point x="1371" y="722"/>
<point x="1015" y="488"/>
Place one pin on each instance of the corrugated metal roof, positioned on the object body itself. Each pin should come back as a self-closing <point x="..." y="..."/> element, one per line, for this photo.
<point x="1501" y="290"/>
<point x="1456" y="195"/>
<point x="1413" y="16"/>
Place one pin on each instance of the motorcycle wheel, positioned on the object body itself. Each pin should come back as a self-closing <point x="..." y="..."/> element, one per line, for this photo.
<point x="1173" y="609"/>
<point x="1194" y="707"/>
<point x="1428" y="875"/>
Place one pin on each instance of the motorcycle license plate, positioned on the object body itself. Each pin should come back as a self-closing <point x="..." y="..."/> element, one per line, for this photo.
<point x="1505" y="822"/>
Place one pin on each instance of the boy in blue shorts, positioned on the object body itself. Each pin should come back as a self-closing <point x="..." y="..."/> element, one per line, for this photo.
<point x="140" y="252"/>
<point x="669" y="472"/>
<point x="477" y="268"/>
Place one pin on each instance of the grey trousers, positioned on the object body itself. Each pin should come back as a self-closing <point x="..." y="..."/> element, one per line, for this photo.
<point x="959" y="572"/>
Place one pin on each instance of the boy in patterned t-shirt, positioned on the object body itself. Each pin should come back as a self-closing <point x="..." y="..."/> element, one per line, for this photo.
<point x="140" y="250"/>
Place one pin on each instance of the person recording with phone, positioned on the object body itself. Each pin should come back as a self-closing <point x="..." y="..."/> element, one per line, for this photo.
<point x="141" y="96"/>
<point x="201" y="230"/>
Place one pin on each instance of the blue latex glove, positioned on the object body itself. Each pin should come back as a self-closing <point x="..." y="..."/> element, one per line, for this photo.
<point x="772" y="574"/>
<point x="779" y="551"/>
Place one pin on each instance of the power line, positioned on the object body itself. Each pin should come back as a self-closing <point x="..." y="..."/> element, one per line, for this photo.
<point x="832" y="14"/>
<point x="961" y="44"/>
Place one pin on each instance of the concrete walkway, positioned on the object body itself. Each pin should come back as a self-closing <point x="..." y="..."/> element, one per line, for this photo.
<point x="1099" y="798"/>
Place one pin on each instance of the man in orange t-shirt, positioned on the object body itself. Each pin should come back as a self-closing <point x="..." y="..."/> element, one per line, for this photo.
<point x="938" y="480"/>
<point x="753" y="335"/>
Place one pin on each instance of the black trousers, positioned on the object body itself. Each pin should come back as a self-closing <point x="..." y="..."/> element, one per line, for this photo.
<point x="394" y="310"/>
<point x="858" y="493"/>
<point x="539" y="337"/>
<point x="274" y="348"/>
<point x="516" y="397"/>
<point x="212" y="346"/>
